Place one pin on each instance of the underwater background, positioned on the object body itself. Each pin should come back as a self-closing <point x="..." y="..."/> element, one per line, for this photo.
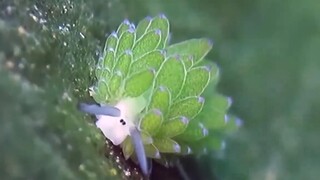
<point x="267" y="51"/>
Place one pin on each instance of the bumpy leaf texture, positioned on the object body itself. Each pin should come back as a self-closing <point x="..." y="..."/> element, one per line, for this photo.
<point x="181" y="110"/>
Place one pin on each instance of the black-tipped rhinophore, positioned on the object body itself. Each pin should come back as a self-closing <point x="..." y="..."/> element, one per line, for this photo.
<point x="99" y="110"/>
<point x="139" y="149"/>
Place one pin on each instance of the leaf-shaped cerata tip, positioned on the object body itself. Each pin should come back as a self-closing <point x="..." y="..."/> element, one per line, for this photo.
<point x="172" y="75"/>
<point x="124" y="26"/>
<point x="132" y="27"/>
<point x="152" y="59"/>
<point x="196" y="81"/>
<point x="146" y="137"/>
<point x="163" y="16"/>
<point x="102" y="73"/>
<point x="166" y="145"/>
<point x="143" y="26"/>
<point x="152" y="151"/>
<point x="138" y="83"/>
<point x="127" y="148"/>
<point x="228" y="102"/>
<point x="102" y="91"/>
<point x="108" y="59"/>
<point x="214" y="73"/>
<point x="115" y="83"/>
<point x="126" y="21"/>
<point x="194" y="132"/>
<point x="213" y="142"/>
<point x="123" y="63"/>
<point x="151" y="121"/>
<point x="232" y="123"/>
<point x="205" y="131"/>
<point x="201" y="100"/>
<point x="214" y="111"/>
<point x="126" y="41"/>
<point x="198" y="48"/>
<point x="161" y="22"/>
<point x="187" y="61"/>
<point x="173" y="127"/>
<point x="111" y="41"/>
<point x="146" y="43"/>
<point x="210" y="42"/>
<point x="113" y="35"/>
<point x="239" y="122"/>
<point x="161" y="99"/>
<point x="188" y="107"/>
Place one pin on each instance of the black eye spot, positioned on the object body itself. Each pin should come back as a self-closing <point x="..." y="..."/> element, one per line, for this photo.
<point x="122" y="122"/>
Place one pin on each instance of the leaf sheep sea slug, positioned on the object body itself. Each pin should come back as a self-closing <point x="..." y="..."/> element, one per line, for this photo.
<point x="154" y="99"/>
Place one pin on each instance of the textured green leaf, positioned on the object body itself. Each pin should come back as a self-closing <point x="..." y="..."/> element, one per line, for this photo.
<point x="221" y="103"/>
<point x="109" y="59"/>
<point x="97" y="96"/>
<point x="196" y="81"/>
<point x="214" y="73"/>
<point x="198" y="48"/>
<point x="143" y="26"/>
<point x="217" y="120"/>
<point x="209" y="143"/>
<point x="213" y="143"/>
<point x="152" y="151"/>
<point x="188" y="107"/>
<point x="151" y="121"/>
<point x="214" y="111"/>
<point x="194" y="132"/>
<point x="123" y="63"/>
<point x="103" y="73"/>
<point x="150" y="60"/>
<point x="139" y="83"/>
<point x="147" y="43"/>
<point x="123" y="27"/>
<point x="111" y="42"/>
<point x="172" y="79"/>
<point x="115" y="83"/>
<point x="172" y="75"/>
<point x="161" y="99"/>
<point x="161" y="22"/>
<point x="173" y="127"/>
<point x="127" y="147"/>
<point x="187" y="61"/>
<point x="166" y="145"/>
<point x="146" y="137"/>
<point x="126" y="41"/>
<point x="102" y="91"/>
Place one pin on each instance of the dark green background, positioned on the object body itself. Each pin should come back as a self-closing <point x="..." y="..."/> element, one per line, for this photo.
<point x="268" y="52"/>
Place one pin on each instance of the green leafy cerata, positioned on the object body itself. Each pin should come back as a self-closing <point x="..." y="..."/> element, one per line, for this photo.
<point x="161" y="90"/>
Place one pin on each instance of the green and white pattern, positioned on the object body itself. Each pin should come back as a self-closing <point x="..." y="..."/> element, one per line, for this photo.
<point x="160" y="89"/>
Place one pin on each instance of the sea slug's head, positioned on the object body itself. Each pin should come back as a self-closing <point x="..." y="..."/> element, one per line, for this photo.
<point x="116" y="129"/>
